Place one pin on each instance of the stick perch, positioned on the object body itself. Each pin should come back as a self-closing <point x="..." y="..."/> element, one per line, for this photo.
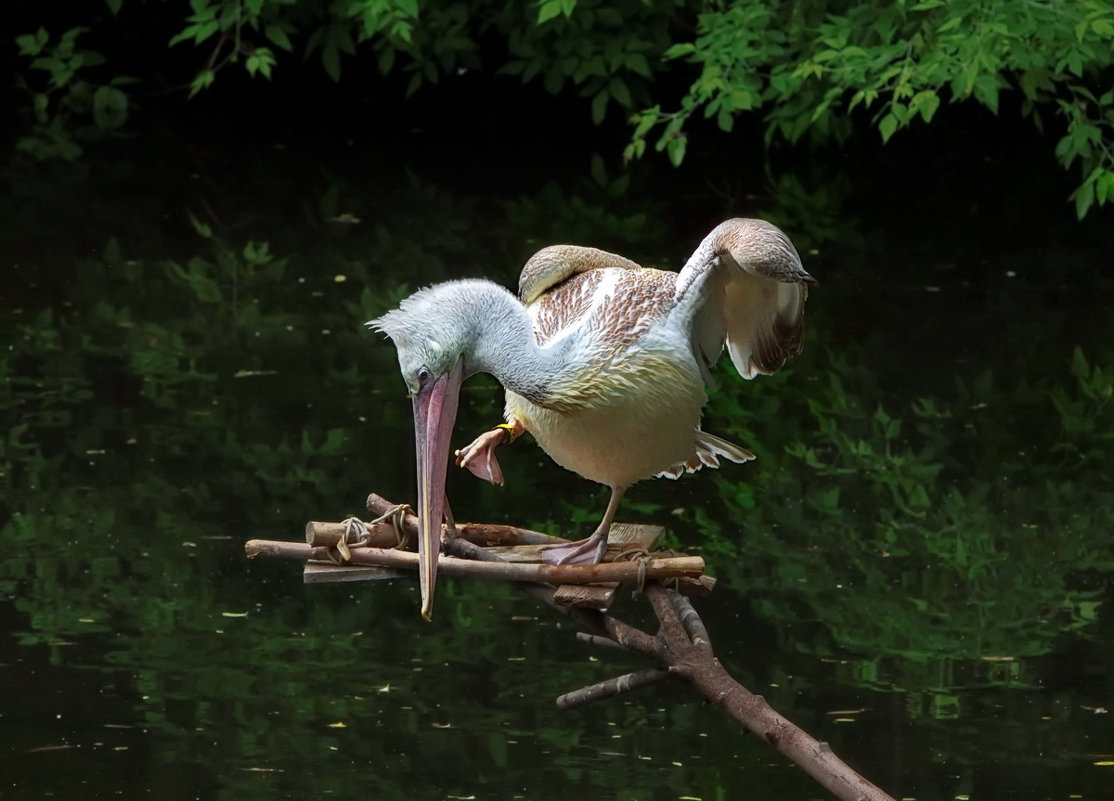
<point x="670" y="567"/>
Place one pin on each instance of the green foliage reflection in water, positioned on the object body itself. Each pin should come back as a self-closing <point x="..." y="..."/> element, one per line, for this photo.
<point x="924" y="539"/>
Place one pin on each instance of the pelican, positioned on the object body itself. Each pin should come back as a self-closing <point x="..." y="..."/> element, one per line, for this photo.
<point x="603" y="361"/>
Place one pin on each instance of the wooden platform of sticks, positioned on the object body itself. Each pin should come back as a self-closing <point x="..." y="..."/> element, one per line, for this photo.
<point x="356" y="551"/>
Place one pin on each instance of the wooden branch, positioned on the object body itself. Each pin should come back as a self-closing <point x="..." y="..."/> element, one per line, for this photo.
<point x="691" y="566"/>
<point x="707" y="676"/>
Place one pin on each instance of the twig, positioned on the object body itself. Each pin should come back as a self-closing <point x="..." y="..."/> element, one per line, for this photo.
<point x="612" y="687"/>
<point x="605" y="626"/>
<point x="598" y="641"/>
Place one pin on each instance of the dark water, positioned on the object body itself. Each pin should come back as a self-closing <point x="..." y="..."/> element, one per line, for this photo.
<point x="917" y="569"/>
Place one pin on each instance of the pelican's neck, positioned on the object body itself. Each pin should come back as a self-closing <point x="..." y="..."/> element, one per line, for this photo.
<point x="503" y="344"/>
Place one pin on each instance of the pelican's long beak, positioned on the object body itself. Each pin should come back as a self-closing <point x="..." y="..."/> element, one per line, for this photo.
<point x="434" y="414"/>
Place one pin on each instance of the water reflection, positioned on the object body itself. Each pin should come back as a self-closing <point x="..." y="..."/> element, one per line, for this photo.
<point x="915" y="569"/>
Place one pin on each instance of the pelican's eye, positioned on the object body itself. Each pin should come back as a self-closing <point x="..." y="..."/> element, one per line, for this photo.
<point x="423" y="376"/>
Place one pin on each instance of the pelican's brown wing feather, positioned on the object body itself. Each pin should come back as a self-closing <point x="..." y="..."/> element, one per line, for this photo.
<point x="616" y="306"/>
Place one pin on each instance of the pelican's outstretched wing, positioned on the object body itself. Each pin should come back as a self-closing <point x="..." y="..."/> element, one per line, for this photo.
<point x="744" y="286"/>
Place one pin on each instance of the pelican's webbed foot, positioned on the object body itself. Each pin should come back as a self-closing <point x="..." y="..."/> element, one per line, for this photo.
<point x="479" y="456"/>
<point x="588" y="551"/>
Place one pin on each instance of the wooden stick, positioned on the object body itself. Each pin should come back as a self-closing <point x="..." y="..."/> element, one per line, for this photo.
<point x="692" y="566"/>
<point x="598" y="641"/>
<point x="626" y="683"/>
<point x="380" y="535"/>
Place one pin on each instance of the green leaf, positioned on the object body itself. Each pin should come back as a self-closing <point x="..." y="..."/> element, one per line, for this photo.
<point x="549" y="9"/>
<point x="330" y="59"/>
<point x="675" y="149"/>
<point x="110" y="107"/>
<point x="31" y="44"/>
<point x="887" y="127"/>
<point x="183" y="35"/>
<point x="680" y="49"/>
<point x="1079" y="367"/>
<point x="111" y="253"/>
<point x="636" y="62"/>
<point x="634" y="150"/>
<point x="645" y="120"/>
<point x="951" y="23"/>
<point x="599" y="106"/>
<point x="1104" y="187"/>
<point x="1103" y="27"/>
<point x="203" y="80"/>
<point x="620" y="92"/>
<point x="926" y="102"/>
<point x="206" y="289"/>
<point x="203" y="229"/>
<point x="205" y="30"/>
<point x="278" y="36"/>
<point x="918" y="498"/>
<point x="597" y="170"/>
<point x="986" y="91"/>
<point x="260" y="62"/>
<point x="114" y="6"/>
<point x="1084" y="196"/>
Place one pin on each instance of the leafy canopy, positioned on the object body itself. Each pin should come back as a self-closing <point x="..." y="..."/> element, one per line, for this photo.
<point x="825" y="69"/>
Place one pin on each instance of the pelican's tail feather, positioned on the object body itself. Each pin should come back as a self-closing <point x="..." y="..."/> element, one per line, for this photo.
<point x="709" y="449"/>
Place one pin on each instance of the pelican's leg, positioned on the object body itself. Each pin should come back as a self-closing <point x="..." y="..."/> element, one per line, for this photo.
<point x="590" y="550"/>
<point x="479" y="456"/>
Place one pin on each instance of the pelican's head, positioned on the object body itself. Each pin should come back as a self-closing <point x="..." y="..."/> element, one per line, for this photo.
<point x="433" y="330"/>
